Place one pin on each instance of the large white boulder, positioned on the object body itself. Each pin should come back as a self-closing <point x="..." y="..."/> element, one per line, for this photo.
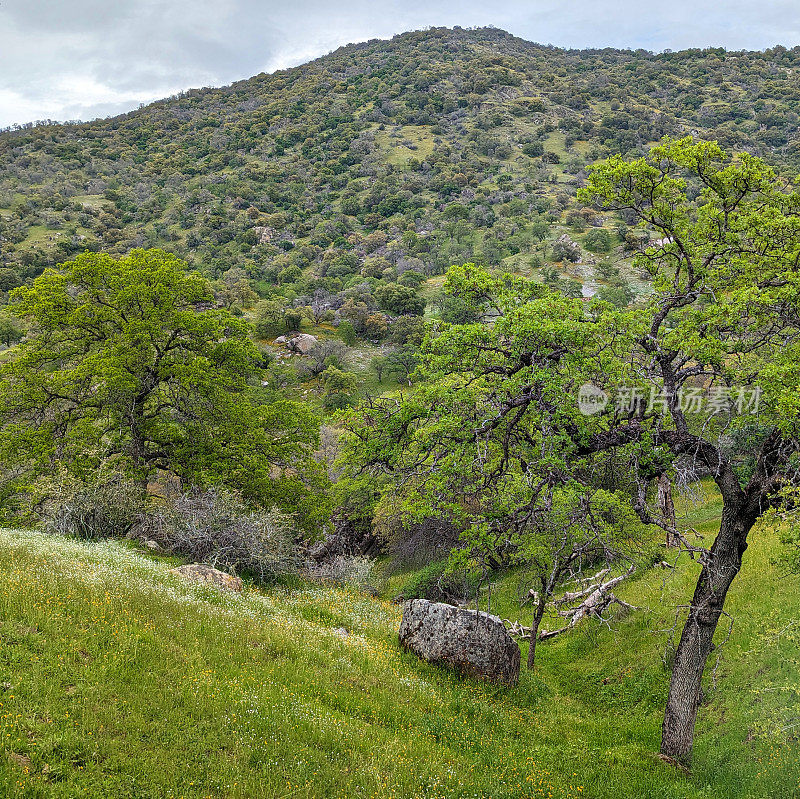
<point x="475" y="643"/>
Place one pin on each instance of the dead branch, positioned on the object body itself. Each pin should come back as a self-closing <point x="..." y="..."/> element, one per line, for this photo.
<point x="597" y="599"/>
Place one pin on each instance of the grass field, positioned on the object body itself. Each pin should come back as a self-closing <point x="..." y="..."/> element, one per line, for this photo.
<point x="119" y="680"/>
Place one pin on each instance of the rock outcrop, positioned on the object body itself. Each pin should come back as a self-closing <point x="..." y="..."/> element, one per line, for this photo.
<point x="200" y="573"/>
<point x="476" y="644"/>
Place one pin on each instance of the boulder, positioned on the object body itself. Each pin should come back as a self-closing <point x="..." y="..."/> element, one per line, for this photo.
<point x="200" y="573"/>
<point x="302" y="343"/>
<point x="474" y="643"/>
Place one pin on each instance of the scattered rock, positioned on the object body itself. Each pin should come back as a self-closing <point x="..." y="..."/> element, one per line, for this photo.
<point x="199" y="573"/>
<point x="476" y="644"/>
<point x="302" y="343"/>
<point x="263" y="233"/>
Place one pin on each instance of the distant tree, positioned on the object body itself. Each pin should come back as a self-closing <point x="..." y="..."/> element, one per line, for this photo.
<point x="270" y="321"/>
<point x="9" y="279"/>
<point x="399" y="299"/>
<point x="376" y="326"/>
<point x="340" y="387"/>
<point x="328" y="352"/>
<point x="597" y="240"/>
<point x="619" y="294"/>
<point x="347" y="333"/>
<point x="379" y="365"/>
<point x="566" y="250"/>
<point x="11" y="331"/>
<point x="292" y="319"/>
<point x="570" y="288"/>
<point x="407" y="330"/>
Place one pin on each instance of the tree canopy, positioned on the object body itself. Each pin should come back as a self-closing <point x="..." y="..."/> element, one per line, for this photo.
<point x="128" y="364"/>
<point x="500" y="425"/>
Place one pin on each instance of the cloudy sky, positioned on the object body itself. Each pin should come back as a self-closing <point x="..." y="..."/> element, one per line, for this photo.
<point x="80" y="59"/>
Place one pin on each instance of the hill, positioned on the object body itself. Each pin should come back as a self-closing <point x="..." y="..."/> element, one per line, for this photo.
<point x="408" y="155"/>
<point x="120" y="680"/>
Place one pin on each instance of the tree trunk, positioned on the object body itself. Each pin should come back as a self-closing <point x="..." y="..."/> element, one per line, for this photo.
<point x="537" y="620"/>
<point x="698" y="633"/>
<point x="667" y="506"/>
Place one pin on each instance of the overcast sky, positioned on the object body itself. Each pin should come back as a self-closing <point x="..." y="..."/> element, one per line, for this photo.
<point x="80" y="59"/>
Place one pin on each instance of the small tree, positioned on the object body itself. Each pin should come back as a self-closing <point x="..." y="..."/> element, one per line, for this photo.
<point x="340" y="386"/>
<point x="598" y="240"/>
<point x="11" y="332"/>
<point x="379" y="365"/>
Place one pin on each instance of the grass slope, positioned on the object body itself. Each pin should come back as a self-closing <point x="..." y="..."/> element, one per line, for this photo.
<point x="120" y="680"/>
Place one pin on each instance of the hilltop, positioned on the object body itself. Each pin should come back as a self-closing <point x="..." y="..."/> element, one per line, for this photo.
<point x="435" y="147"/>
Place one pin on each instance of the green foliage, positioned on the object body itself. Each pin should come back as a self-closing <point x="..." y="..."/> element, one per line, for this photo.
<point x="340" y="386"/>
<point x="619" y="295"/>
<point x="347" y="333"/>
<point x="11" y="332"/>
<point x="127" y="366"/>
<point x="438" y="583"/>
<point x="598" y="240"/>
<point x="270" y="319"/>
<point x="399" y="299"/>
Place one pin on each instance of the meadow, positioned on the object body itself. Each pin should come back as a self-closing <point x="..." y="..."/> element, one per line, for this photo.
<point x="119" y="679"/>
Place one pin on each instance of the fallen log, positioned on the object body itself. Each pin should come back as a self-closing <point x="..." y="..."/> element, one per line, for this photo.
<point x="596" y="598"/>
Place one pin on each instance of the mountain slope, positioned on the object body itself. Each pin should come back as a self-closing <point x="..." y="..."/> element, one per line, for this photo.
<point x="120" y="680"/>
<point x="432" y="148"/>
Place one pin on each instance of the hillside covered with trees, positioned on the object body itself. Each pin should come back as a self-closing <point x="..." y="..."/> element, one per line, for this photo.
<point x="452" y="319"/>
<point x="437" y="147"/>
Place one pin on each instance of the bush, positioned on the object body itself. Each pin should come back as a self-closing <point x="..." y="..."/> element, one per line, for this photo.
<point x="91" y="512"/>
<point x="433" y="582"/>
<point x="216" y="528"/>
<point x="598" y="240"/>
<point x="352" y="570"/>
<point x="347" y="333"/>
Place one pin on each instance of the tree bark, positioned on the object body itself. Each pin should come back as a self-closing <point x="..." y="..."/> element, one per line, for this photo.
<point x="667" y="506"/>
<point x="697" y="638"/>
<point x="534" y="636"/>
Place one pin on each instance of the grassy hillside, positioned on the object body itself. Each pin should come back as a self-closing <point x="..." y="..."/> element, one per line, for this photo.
<point x="120" y="680"/>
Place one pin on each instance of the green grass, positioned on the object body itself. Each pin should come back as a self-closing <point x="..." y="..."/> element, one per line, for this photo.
<point x="118" y="679"/>
<point x="397" y="152"/>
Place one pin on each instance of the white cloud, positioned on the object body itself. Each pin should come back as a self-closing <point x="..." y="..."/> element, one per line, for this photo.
<point x="64" y="59"/>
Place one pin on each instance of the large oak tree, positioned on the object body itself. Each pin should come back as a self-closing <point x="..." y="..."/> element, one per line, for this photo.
<point x="494" y="431"/>
<point x="129" y="364"/>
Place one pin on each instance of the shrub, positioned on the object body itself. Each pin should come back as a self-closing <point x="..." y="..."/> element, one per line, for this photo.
<point x="104" y="510"/>
<point x="598" y="240"/>
<point x="434" y="582"/>
<point x="352" y="570"/>
<point x="216" y="528"/>
<point x="347" y="333"/>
